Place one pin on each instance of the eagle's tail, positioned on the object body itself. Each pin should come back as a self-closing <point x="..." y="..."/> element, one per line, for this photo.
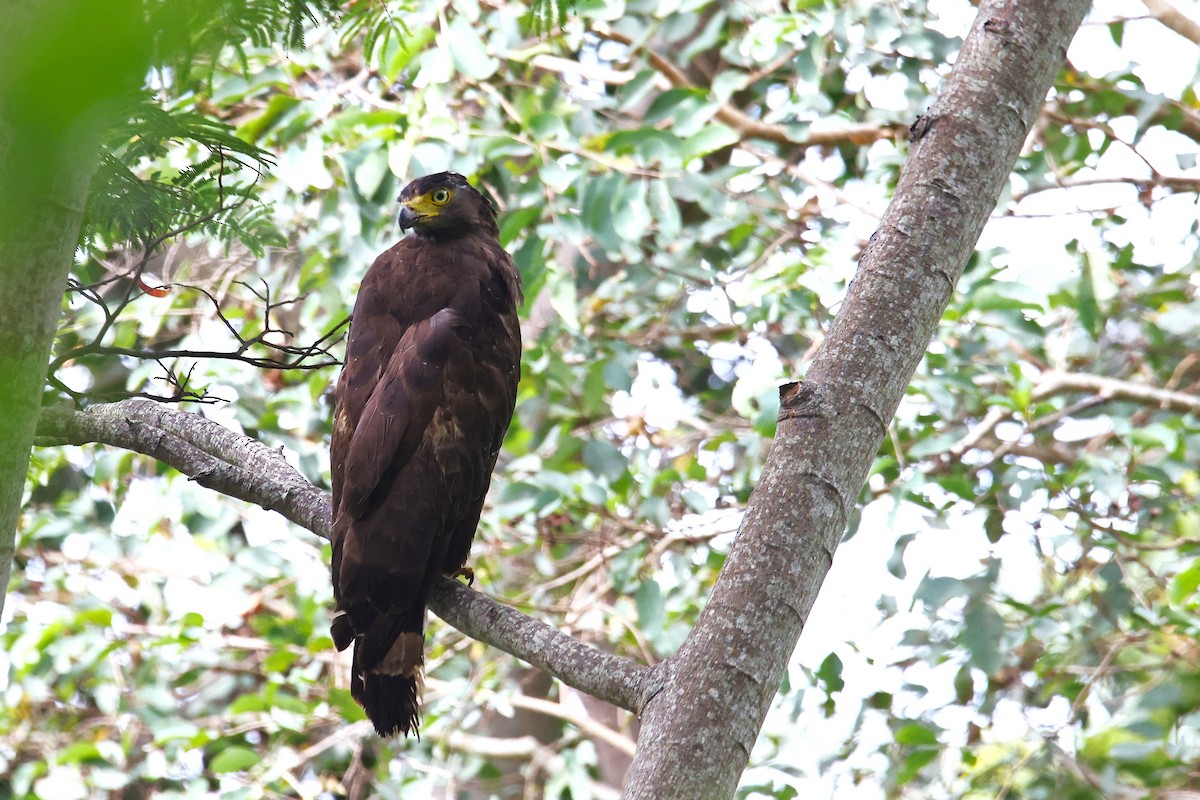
<point x="386" y="675"/>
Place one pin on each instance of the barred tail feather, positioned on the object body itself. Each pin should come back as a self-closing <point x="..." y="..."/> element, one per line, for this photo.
<point x="392" y="702"/>
<point x="386" y="675"/>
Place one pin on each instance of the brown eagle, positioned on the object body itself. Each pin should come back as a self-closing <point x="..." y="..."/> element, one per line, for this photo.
<point x="423" y="402"/>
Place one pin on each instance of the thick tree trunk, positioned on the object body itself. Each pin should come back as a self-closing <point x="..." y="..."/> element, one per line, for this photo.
<point x="39" y="231"/>
<point x="697" y="732"/>
<point x="50" y="122"/>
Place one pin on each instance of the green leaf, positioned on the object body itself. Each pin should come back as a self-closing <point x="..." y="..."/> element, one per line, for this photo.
<point x="619" y="372"/>
<point x="916" y="735"/>
<point x="1117" y="31"/>
<point x="604" y="459"/>
<point x="598" y="201"/>
<point x="983" y="631"/>
<point x="709" y="139"/>
<point x="933" y="445"/>
<point x="934" y="592"/>
<point x="630" y="215"/>
<point x="81" y="753"/>
<point x="695" y="501"/>
<point x="913" y="764"/>
<point x="1184" y="585"/>
<point x="468" y="51"/>
<point x="280" y="660"/>
<point x="650" y="606"/>
<point x="895" y="564"/>
<point x="1088" y="308"/>
<point x="233" y="759"/>
<point x="664" y="210"/>
<point x="830" y="673"/>
<point x="344" y="702"/>
<point x="517" y="222"/>
<point x="248" y="703"/>
<point x="531" y="261"/>
<point x="669" y="102"/>
<point x="993" y="525"/>
<point x="650" y="144"/>
<point x="564" y="298"/>
<point x="277" y="107"/>
<point x="1006" y="296"/>
<point x="369" y="174"/>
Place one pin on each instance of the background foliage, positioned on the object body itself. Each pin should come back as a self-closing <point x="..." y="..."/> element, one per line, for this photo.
<point x="1015" y="613"/>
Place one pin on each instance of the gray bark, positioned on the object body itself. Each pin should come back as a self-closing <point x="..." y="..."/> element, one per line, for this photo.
<point x="697" y="732"/>
<point x="210" y="454"/>
<point x="242" y="467"/>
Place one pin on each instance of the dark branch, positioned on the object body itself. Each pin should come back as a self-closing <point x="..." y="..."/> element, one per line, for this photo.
<point x="315" y="355"/>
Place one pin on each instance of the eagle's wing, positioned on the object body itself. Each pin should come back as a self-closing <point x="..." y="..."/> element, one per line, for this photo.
<point x="398" y="410"/>
<point x="423" y="401"/>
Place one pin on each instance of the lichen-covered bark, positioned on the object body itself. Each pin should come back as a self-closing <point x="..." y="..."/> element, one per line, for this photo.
<point x="697" y="732"/>
<point x="242" y="467"/>
<point x="210" y="454"/>
<point x="602" y="675"/>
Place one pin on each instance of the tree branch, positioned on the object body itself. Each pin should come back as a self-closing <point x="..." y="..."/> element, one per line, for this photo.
<point x="749" y="127"/>
<point x="1053" y="383"/>
<point x="586" y="724"/>
<point x="281" y="356"/>
<point x="605" y="676"/>
<point x="208" y="453"/>
<point x="1174" y="19"/>
<point x="244" y="468"/>
<point x="1100" y="389"/>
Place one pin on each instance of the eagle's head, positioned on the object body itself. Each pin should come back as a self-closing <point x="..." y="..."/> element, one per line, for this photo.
<point x="445" y="206"/>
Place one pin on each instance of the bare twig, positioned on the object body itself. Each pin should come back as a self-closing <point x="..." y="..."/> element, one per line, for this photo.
<point x="295" y="357"/>
<point x="1054" y="383"/>
<point x="280" y="355"/>
<point x="1101" y="390"/>
<point x="585" y="723"/>
<point x="1173" y="18"/>
<point x="1173" y="184"/>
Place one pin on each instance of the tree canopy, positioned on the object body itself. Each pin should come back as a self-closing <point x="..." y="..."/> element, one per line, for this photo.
<point x="686" y="188"/>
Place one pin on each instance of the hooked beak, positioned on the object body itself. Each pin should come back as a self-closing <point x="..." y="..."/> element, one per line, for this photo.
<point x="408" y="218"/>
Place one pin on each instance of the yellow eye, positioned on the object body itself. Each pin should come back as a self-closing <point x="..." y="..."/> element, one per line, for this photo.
<point x="440" y="197"/>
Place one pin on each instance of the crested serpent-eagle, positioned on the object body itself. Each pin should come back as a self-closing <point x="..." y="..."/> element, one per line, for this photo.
<point x="423" y="402"/>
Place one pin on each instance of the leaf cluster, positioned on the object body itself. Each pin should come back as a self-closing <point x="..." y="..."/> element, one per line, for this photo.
<point x="141" y="198"/>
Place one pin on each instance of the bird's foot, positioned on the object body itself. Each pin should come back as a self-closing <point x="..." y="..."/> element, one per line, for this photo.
<point x="465" y="572"/>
